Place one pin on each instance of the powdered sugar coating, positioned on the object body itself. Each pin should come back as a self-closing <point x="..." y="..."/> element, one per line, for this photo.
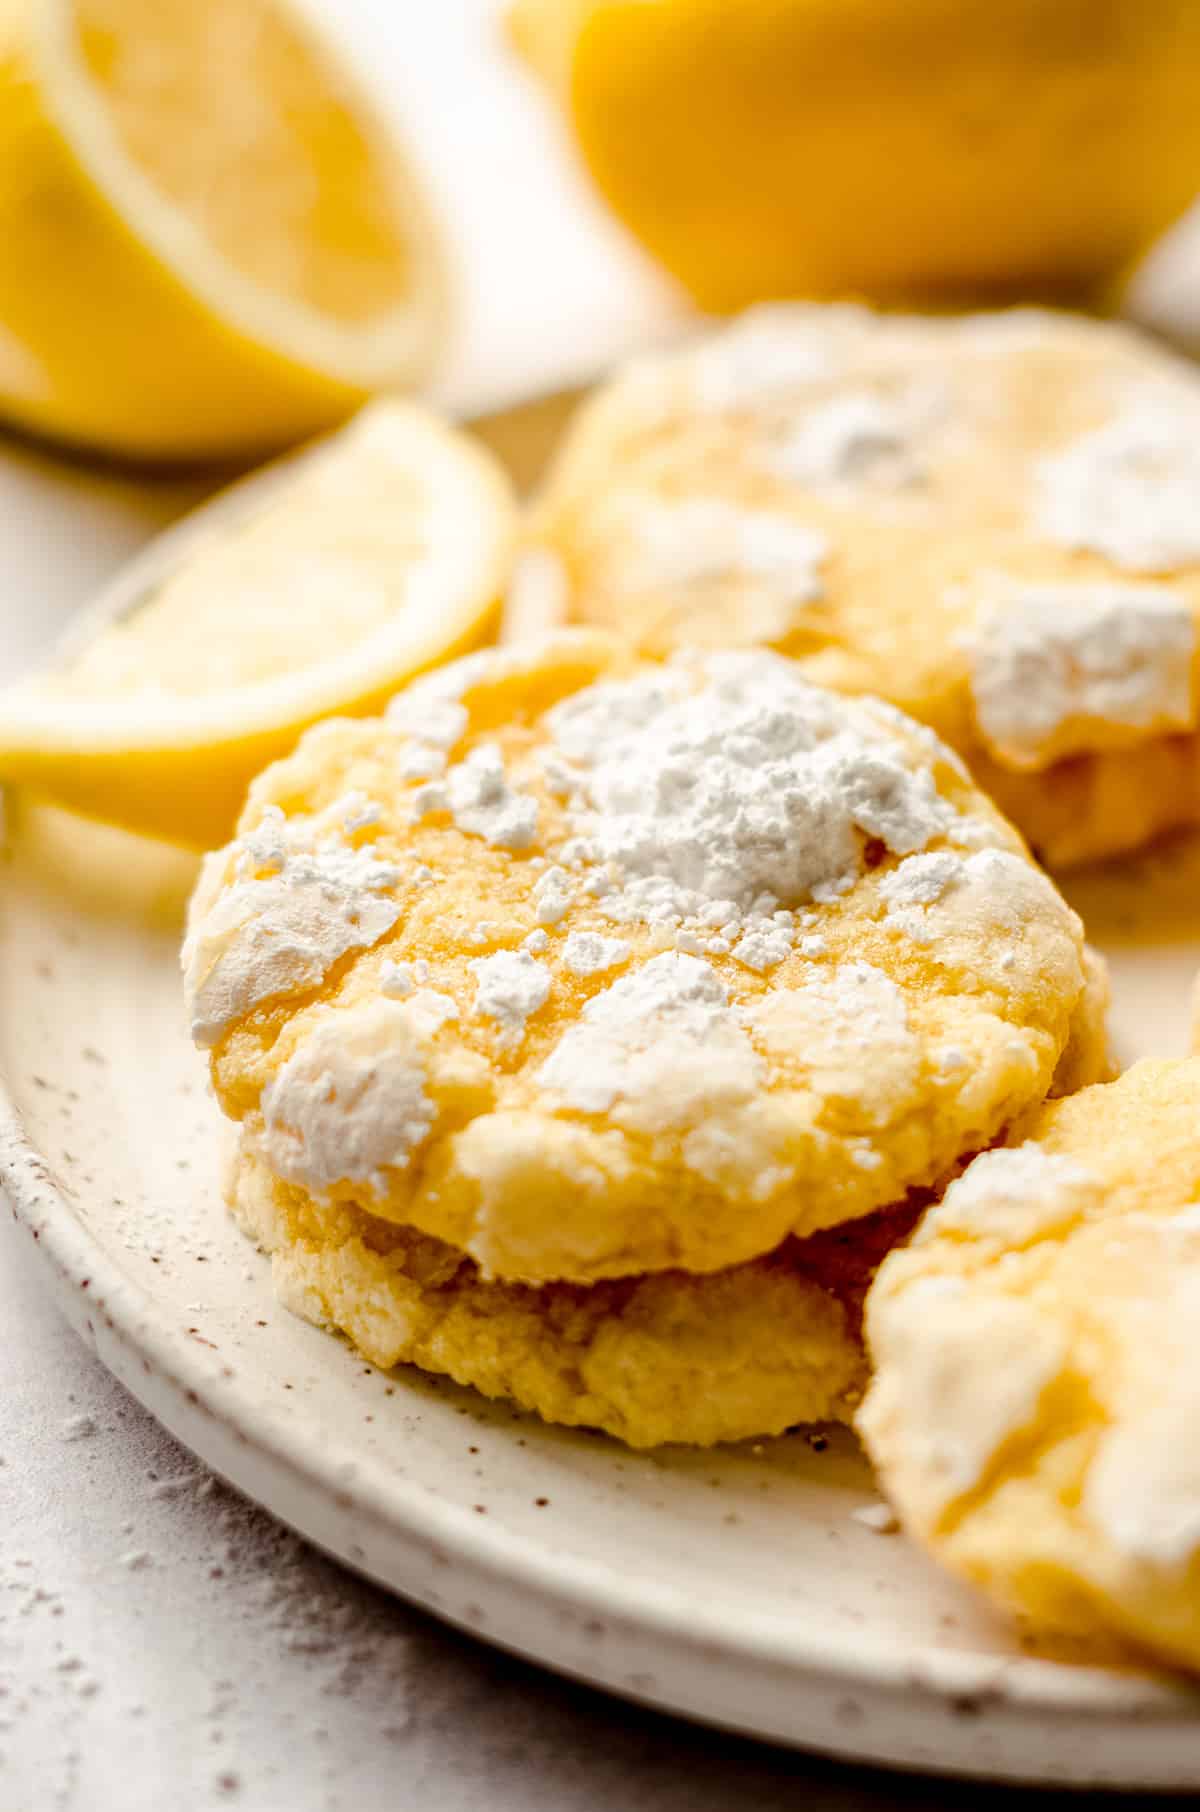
<point x="855" y="437"/>
<point x="1011" y="1197"/>
<point x="281" y="933"/>
<point x="1054" y="667"/>
<point x="771" y="352"/>
<point x="656" y="1050"/>
<point x="509" y="986"/>
<point x="968" y="1390"/>
<point x="587" y="953"/>
<point x="847" y="1030"/>
<point x="751" y="788"/>
<point x="694" y="540"/>
<point x="982" y="916"/>
<point x="1143" y="1488"/>
<point x="351" y="1101"/>
<point x="477" y="795"/>
<point x="1131" y="489"/>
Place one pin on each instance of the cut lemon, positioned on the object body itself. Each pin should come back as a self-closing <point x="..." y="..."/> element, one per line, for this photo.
<point x="315" y="588"/>
<point x="211" y="245"/>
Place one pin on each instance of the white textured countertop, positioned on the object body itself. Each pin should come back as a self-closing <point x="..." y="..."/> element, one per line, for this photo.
<point x="164" y="1646"/>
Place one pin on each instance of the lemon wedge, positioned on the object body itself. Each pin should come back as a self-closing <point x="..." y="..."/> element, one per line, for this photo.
<point x="315" y="588"/>
<point x="212" y="246"/>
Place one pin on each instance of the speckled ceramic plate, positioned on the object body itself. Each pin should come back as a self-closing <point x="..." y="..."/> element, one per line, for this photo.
<point x="737" y="1587"/>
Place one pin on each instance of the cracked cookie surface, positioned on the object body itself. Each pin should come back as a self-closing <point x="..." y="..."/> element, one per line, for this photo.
<point x="589" y="966"/>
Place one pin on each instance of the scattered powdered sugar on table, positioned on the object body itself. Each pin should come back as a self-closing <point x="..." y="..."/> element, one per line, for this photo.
<point x="656" y="1049"/>
<point x="1131" y="489"/>
<point x="351" y="1100"/>
<point x="1051" y="662"/>
<point x="509" y="986"/>
<point x="146" y="1608"/>
<point x="282" y="932"/>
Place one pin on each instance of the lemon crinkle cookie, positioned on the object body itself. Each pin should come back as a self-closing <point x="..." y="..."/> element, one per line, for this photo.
<point x="1035" y="1415"/>
<point x="589" y="968"/>
<point x="663" y="1357"/>
<point x="994" y="521"/>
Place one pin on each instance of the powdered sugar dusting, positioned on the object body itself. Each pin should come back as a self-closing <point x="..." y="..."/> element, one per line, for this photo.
<point x="1052" y="662"/>
<point x="774" y="351"/>
<point x="696" y="540"/>
<point x="509" y="986"/>
<point x="1143" y="1486"/>
<point x="477" y="795"/>
<point x="846" y="1029"/>
<point x="717" y="796"/>
<point x="1012" y="1196"/>
<point x="962" y="1372"/>
<point x="351" y="1101"/>
<point x="280" y="934"/>
<point x="587" y="953"/>
<point x="1130" y="490"/>
<point x="851" y="438"/>
<point x="656" y="1050"/>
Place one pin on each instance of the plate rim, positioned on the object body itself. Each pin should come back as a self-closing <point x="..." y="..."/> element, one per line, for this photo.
<point x="952" y="1684"/>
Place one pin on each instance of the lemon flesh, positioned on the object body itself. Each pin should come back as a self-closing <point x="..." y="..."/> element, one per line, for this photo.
<point x="212" y="244"/>
<point x="907" y="150"/>
<point x="314" y="591"/>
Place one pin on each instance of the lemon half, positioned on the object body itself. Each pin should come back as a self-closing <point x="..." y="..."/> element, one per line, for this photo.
<point x="311" y="590"/>
<point x="210" y="244"/>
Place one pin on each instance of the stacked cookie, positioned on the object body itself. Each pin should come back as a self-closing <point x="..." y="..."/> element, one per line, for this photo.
<point x="613" y="1017"/>
<point x="595" y="1025"/>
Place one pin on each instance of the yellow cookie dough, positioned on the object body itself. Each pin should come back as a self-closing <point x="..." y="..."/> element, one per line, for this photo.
<point x="590" y="967"/>
<point x="669" y="1357"/>
<point x="1035" y="1414"/>
<point x="992" y="520"/>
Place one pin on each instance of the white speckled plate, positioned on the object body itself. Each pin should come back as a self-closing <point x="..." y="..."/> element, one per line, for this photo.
<point x="736" y="1586"/>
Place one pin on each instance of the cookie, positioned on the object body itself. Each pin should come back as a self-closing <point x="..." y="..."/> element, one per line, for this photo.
<point x="993" y="521"/>
<point x="589" y="967"/>
<point x="1035" y="1414"/>
<point x="663" y="1358"/>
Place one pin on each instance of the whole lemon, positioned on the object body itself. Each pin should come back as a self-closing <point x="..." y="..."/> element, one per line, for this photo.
<point x="903" y="149"/>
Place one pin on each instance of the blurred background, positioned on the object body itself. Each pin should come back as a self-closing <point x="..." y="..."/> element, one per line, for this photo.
<point x="220" y="232"/>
